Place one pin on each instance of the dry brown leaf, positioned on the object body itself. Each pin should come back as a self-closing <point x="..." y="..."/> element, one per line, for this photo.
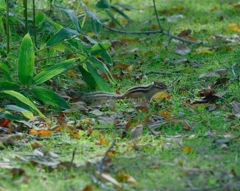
<point x="136" y="132"/>
<point x="72" y="74"/>
<point x="129" y="51"/>
<point x="124" y="177"/>
<point x="236" y="108"/>
<point x="220" y="72"/>
<point x="186" y="126"/>
<point x="89" y="188"/>
<point x="44" y="133"/>
<point x="103" y="141"/>
<point x="185" y="33"/>
<point x="165" y="114"/>
<point x="182" y="49"/>
<point x="141" y="106"/>
<point x="33" y="132"/>
<point x="4" y="122"/>
<point x="80" y="105"/>
<point x="105" y="177"/>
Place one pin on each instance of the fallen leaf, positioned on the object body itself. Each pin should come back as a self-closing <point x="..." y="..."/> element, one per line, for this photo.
<point x="219" y="72"/>
<point x="103" y="141"/>
<point x="162" y="95"/>
<point x="72" y="74"/>
<point x="124" y="177"/>
<point x="236" y="108"/>
<point x="186" y="126"/>
<point x="129" y="68"/>
<point x="182" y="49"/>
<point x="185" y="33"/>
<point x="136" y="132"/>
<point x="165" y="114"/>
<point x="44" y="133"/>
<point x="203" y="50"/>
<point x="4" y="122"/>
<point x="89" y="188"/>
<point x="234" y="27"/>
<point x="129" y="51"/>
<point x="104" y="177"/>
<point x="186" y="149"/>
<point x="214" y="8"/>
<point x="141" y="106"/>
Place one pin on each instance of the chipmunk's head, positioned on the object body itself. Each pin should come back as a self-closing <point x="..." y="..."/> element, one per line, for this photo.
<point x="160" y="85"/>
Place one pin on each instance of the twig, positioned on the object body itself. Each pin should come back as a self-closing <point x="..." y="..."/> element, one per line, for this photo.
<point x="164" y="73"/>
<point x="155" y="10"/>
<point x="152" y="32"/>
<point x="234" y="73"/>
<point x="105" y="156"/>
<point x="73" y="154"/>
<point x="204" y="189"/>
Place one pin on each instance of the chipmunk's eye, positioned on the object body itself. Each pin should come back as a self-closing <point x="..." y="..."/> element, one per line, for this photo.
<point x="163" y="86"/>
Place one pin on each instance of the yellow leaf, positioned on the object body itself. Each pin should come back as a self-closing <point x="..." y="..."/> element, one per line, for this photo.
<point x="91" y="34"/>
<point x="214" y="8"/>
<point x="165" y="114"/>
<point x="129" y="68"/>
<point x="235" y="27"/>
<point x="72" y="74"/>
<point x="186" y="149"/>
<point x="161" y="95"/>
<point x="44" y="133"/>
<point x="203" y="50"/>
<point x="103" y="141"/>
<point x="33" y="132"/>
<point x="237" y="5"/>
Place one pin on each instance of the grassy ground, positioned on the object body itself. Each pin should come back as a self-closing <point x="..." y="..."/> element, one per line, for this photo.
<point x="198" y="146"/>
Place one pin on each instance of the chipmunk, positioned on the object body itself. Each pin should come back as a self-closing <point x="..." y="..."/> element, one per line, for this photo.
<point x="142" y="91"/>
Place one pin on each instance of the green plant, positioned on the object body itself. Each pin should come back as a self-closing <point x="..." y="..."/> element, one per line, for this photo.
<point x="26" y="87"/>
<point x="28" y="83"/>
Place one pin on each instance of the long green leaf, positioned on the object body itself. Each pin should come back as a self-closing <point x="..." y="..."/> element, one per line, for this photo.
<point x="87" y="77"/>
<point x="8" y="86"/>
<point x="9" y="116"/>
<point x="96" y="27"/>
<point x="72" y="15"/>
<point x="60" y="36"/>
<point x="113" y="19"/>
<point x="54" y="24"/>
<point x="5" y="70"/>
<point x="95" y="21"/>
<point x="101" y="66"/>
<point x="52" y="71"/>
<point x="106" y="57"/>
<point x="98" y="48"/>
<point x="102" y="4"/>
<point x="98" y="79"/>
<point x="23" y="99"/>
<point x="40" y="17"/>
<point x="26" y="60"/>
<point x="2" y="4"/>
<point x="50" y="97"/>
<point x="26" y="113"/>
<point x="121" y="13"/>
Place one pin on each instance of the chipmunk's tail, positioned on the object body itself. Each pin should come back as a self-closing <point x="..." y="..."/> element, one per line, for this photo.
<point x="97" y="96"/>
